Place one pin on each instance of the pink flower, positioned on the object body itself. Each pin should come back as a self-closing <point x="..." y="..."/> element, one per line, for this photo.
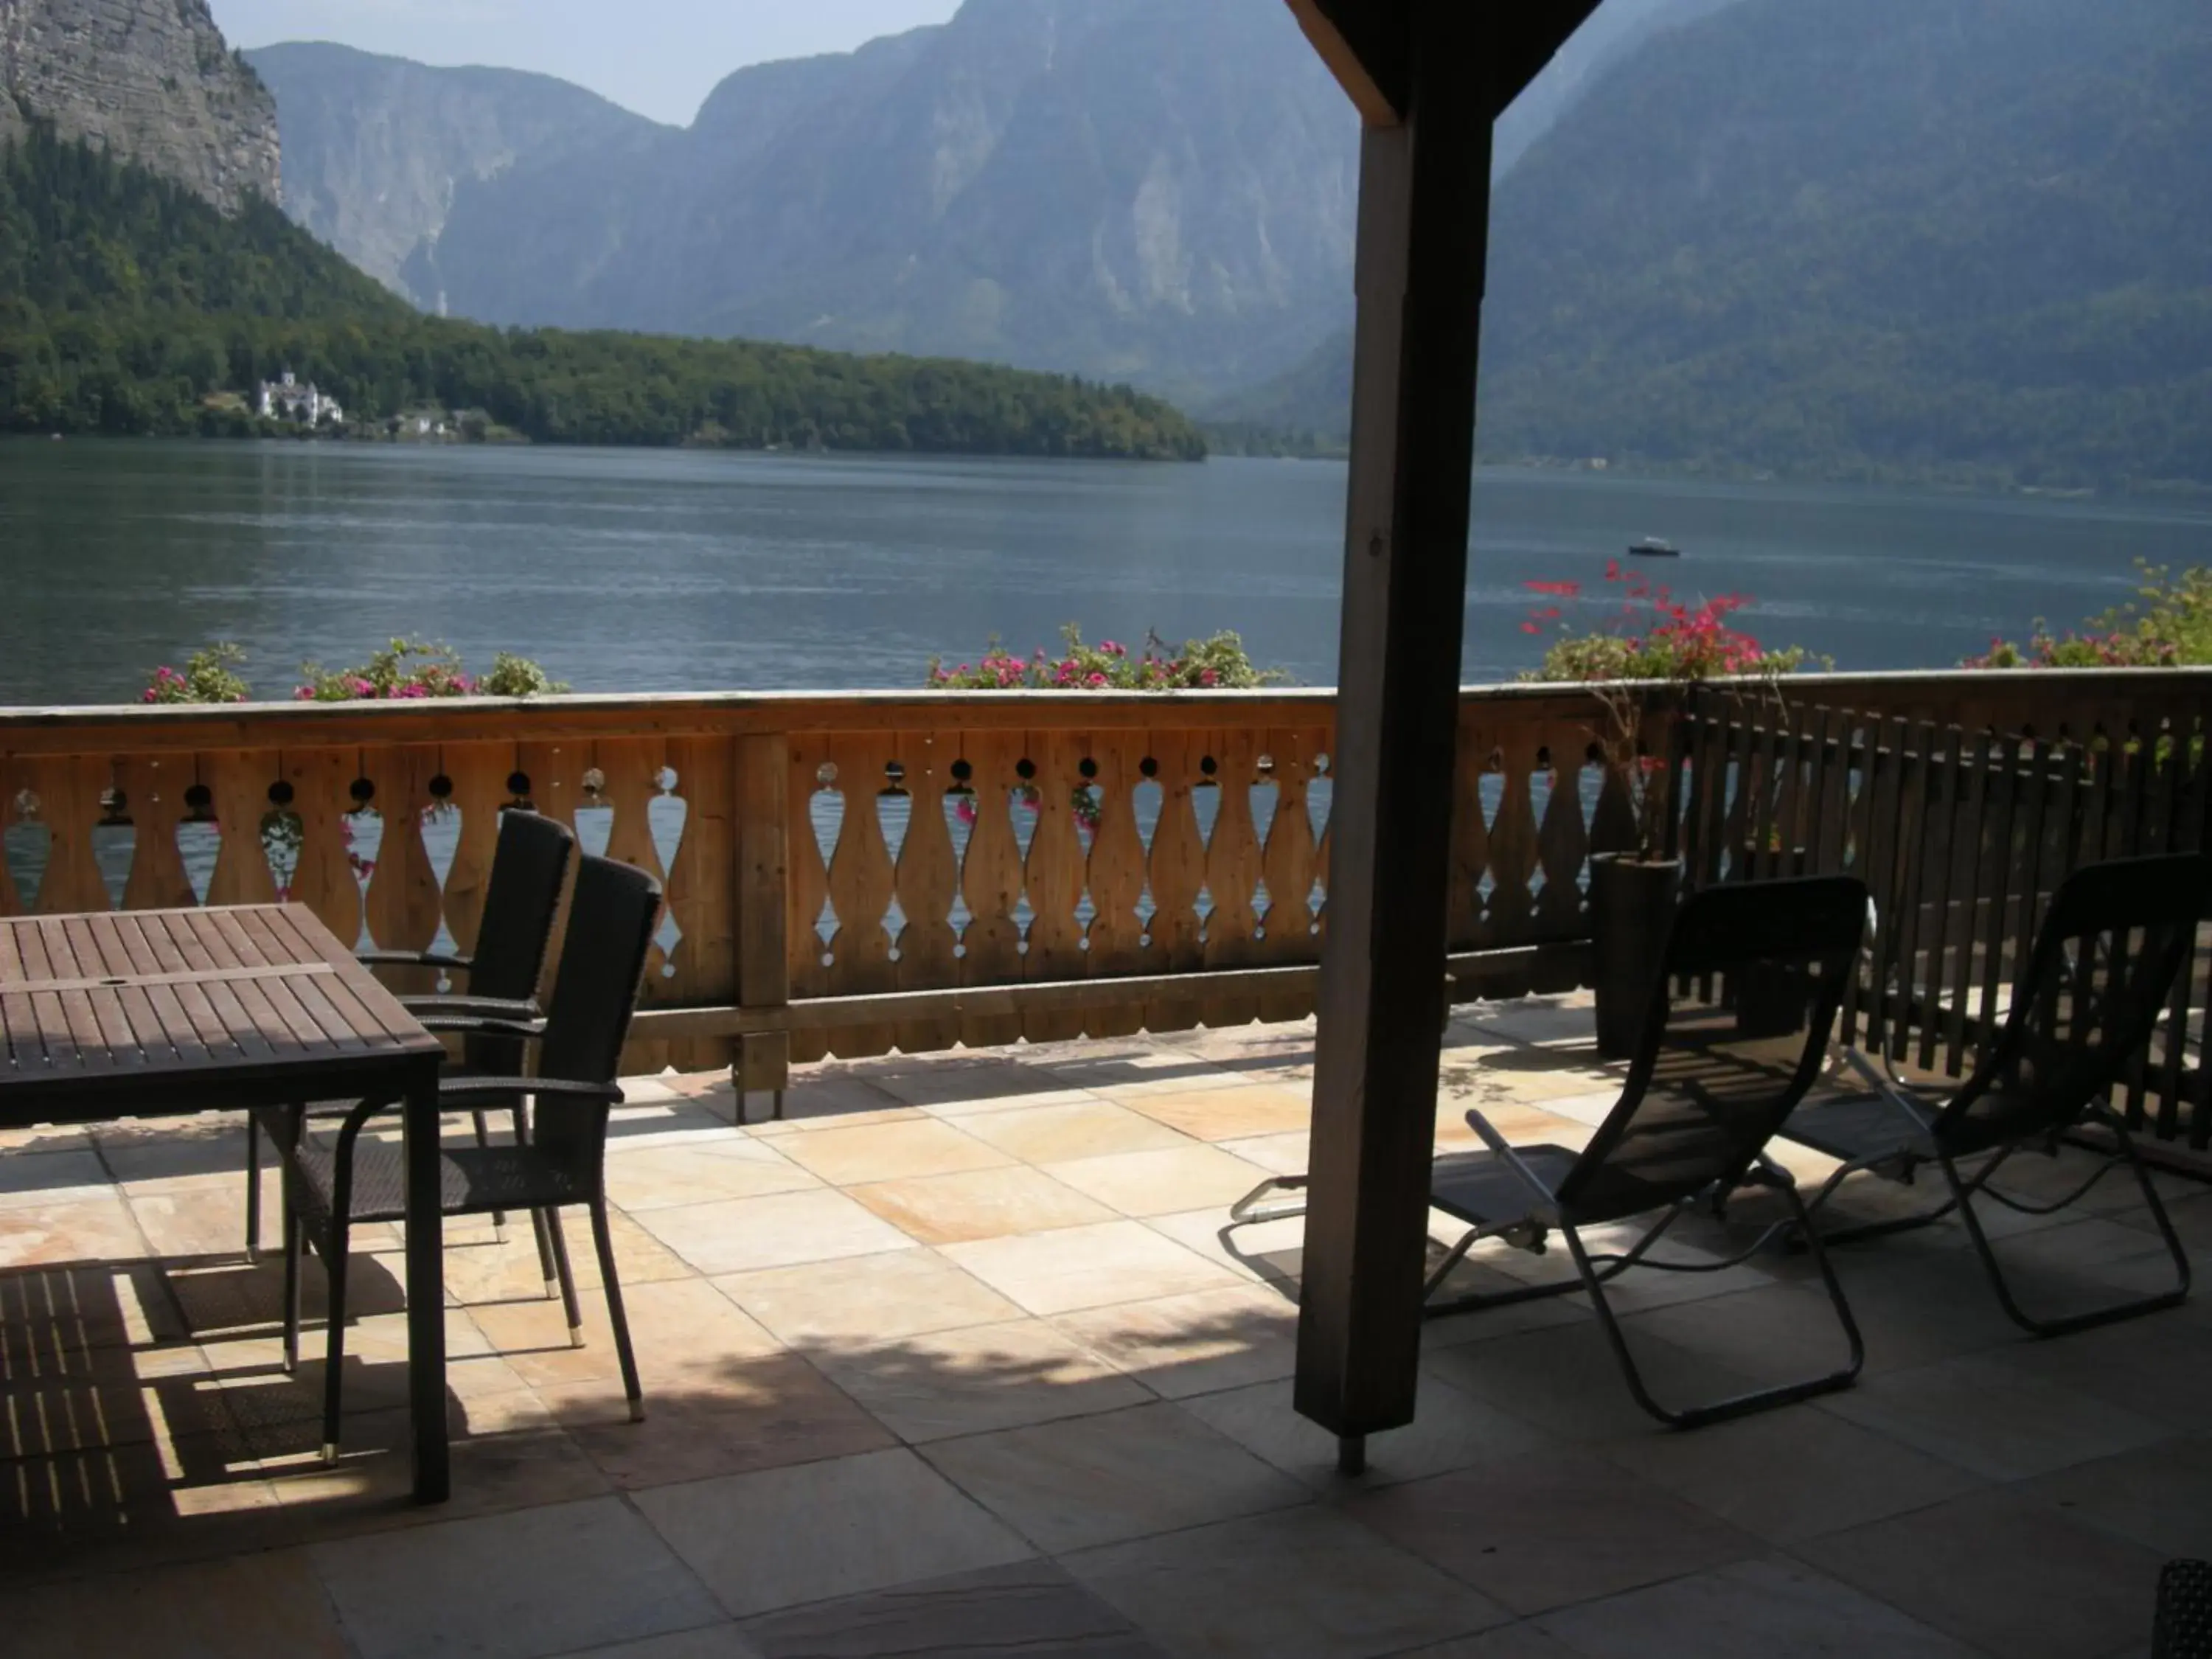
<point x="1095" y="680"/>
<point x="1207" y="677"/>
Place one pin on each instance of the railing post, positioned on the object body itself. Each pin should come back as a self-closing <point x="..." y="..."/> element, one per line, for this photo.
<point x="763" y="766"/>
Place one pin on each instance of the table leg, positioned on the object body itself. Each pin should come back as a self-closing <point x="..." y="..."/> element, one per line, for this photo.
<point x="426" y="1292"/>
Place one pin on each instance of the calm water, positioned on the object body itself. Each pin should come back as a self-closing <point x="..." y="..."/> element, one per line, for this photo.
<point x="644" y="571"/>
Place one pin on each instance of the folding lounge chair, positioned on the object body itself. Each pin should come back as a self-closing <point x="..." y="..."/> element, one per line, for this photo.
<point x="1707" y="1088"/>
<point x="528" y="866"/>
<point x="2094" y="989"/>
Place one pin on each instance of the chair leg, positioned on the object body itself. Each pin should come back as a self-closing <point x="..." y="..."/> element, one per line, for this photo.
<point x="1963" y="1195"/>
<point x="568" y="1304"/>
<point x="1252" y="1208"/>
<point x="253" y="1188"/>
<point x="483" y="1138"/>
<point x="295" y="1243"/>
<point x="545" y="1264"/>
<point x="545" y="1267"/>
<point x="1741" y="1404"/>
<point x="334" y="1264"/>
<point x="602" y="1237"/>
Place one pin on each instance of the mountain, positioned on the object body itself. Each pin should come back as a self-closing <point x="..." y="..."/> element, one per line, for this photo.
<point x="1157" y="190"/>
<point x="1859" y="238"/>
<point x="153" y="82"/>
<point x="128" y="305"/>
<point x="377" y="148"/>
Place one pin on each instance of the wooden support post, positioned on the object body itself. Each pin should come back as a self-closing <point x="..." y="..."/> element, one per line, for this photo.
<point x="1423" y="215"/>
<point x="763" y="906"/>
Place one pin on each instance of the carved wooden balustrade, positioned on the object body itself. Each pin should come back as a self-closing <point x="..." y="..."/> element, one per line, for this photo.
<point x="852" y="874"/>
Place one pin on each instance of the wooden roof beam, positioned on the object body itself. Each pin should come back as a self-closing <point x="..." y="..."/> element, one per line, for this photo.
<point x="1367" y="46"/>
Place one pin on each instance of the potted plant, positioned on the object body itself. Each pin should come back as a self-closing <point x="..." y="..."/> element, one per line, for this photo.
<point x="1633" y="891"/>
<point x="1668" y="646"/>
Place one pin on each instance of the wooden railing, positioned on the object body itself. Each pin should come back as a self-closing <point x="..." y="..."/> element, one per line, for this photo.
<point x="854" y="873"/>
<point x="1962" y="835"/>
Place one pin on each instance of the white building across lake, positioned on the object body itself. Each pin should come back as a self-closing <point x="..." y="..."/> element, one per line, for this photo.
<point x="288" y="400"/>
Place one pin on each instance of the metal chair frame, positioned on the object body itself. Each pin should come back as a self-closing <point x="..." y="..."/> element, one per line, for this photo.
<point x="1716" y="932"/>
<point x="2109" y="897"/>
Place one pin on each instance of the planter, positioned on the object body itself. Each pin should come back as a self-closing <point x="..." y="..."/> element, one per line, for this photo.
<point x="1632" y="904"/>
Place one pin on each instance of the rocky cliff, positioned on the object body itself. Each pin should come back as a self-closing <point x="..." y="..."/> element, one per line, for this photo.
<point x="375" y="147"/>
<point x="151" y="81"/>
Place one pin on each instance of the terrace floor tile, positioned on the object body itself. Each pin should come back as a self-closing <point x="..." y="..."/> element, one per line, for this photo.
<point x="1076" y="1129"/>
<point x="1232" y="1111"/>
<point x="859" y="1301"/>
<point x="1116" y="1475"/>
<point x="1032" y="1607"/>
<point x="1197" y="1343"/>
<point x="1077" y="1267"/>
<point x="1551" y="1529"/>
<point x="1162" y="1182"/>
<point x="1299" y="1583"/>
<point x="2003" y="1572"/>
<point x="979" y="1204"/>
<point x="935" y="1384"/>
<point x="891" y="1151"/>
<point x="1748" y="1610"/>
<point x="844" y="1527"/>
<point x="740" y="1234"/>
<point x="520" y="1586"/>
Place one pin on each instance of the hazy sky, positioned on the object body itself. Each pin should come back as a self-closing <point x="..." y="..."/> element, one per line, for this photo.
<point x="660" y="57"/>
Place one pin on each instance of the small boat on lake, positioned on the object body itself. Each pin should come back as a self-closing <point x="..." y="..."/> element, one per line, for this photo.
<point x="1654" y="547"/>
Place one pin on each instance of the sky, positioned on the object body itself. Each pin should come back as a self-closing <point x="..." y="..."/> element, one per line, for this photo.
<point x="660" y="57"/>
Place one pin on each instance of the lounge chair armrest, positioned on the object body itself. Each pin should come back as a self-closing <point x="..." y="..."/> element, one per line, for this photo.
<point x="466" y="1091"/>
<point x="522" y="1008"/>
<point x="474" y="1025"/>
<point x="412" y="959"/>
<point x="1512" y="1160"/>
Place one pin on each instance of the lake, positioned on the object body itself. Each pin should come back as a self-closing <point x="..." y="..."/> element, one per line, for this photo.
<point x="627" y="570"/>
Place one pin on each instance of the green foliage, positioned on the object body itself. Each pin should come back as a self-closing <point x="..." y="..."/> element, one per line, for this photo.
<point x="2169" y="625"/>
<point x="208" y="676"/>
<point x="128" y="306"/>
<point x="517" y="677"/>
<point x="405" y="668"/>
<point x="1217" y="663"/>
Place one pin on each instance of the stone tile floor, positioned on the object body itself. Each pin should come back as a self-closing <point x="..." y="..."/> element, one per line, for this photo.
<point x="958" y="1357"/>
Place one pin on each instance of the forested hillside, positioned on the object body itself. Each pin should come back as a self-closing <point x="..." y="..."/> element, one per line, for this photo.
<point x="128" y="305"/>
<point x="1903" y="238"/>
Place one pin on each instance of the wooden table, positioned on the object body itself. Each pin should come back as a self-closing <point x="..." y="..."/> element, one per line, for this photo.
<point x="149" y="1013"/>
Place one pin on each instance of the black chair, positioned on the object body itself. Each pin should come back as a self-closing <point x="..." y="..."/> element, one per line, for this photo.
<point x="560" y="1157"/>
<point x="1736" y="1033"/>
<point x="2082" y="1011"/>
<point x="529" y="866"/>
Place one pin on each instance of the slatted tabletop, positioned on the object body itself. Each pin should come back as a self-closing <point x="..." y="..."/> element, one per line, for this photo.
<point x="161" y="1012"/>
<point x="208" y="1007"/>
